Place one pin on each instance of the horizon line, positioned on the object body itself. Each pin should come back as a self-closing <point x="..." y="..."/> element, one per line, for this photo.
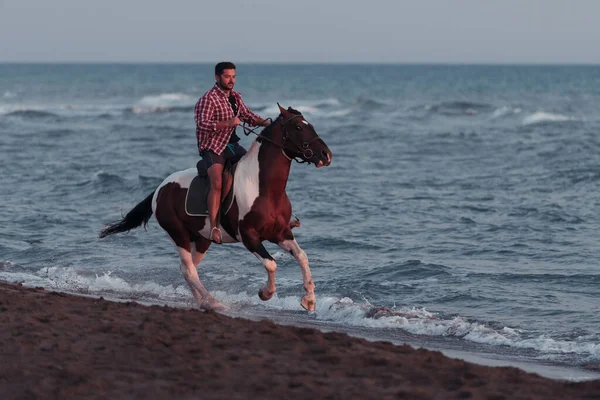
<point x="407" y="63"/>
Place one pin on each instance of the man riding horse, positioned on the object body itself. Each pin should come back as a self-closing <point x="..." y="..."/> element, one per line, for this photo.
<point x="260" y="209"/>
<point x="217" y="113"/>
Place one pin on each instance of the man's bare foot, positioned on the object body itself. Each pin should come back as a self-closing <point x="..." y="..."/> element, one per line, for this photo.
<point x="215" y="235"/>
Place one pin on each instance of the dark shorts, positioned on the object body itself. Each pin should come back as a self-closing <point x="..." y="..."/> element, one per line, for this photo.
<point x="233" y="152"/>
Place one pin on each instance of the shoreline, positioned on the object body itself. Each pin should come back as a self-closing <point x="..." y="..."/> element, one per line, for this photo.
<point x="545" y="369"/>
<point x="57" y="345"/>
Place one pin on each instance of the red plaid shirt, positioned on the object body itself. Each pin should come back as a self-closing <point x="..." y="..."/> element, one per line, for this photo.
<point x="214" y="107"/>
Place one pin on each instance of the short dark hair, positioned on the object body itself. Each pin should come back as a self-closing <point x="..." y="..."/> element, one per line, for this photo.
<point x="222" y="66"/>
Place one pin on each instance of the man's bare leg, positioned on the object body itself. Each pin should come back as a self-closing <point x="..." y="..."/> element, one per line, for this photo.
<point x="215" y="174"/>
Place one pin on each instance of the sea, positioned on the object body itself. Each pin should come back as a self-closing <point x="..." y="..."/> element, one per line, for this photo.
<point x="460" y="212"/>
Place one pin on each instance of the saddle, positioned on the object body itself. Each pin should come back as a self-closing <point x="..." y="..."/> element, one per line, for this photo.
<point x="196" y="200"/>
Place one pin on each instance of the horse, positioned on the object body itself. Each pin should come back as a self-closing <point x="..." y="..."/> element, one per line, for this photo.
<point x="260" y="211"/>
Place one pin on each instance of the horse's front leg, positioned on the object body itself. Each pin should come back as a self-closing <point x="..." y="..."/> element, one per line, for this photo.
<point x="309" y="302"/>
<point x="255" y="246"/>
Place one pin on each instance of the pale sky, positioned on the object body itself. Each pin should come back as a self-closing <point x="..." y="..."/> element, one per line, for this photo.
<point x="385" y="31"/>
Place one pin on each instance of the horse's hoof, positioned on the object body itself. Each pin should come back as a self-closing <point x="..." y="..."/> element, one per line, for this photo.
<point x="213" y="305"/>
<point x="264" y="295"/>
<point x="308" y="305"/>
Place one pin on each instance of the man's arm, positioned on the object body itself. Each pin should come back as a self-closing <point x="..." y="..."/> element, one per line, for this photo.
<point x="249" y="116"/>
<point x="203" y="114"/>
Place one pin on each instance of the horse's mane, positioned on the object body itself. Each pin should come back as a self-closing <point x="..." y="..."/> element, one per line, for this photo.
<point x="290" y="109"/>
<point x="267" y="130"/>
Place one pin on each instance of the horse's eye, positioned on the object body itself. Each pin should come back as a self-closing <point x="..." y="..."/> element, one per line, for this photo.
<point x="298" y="128"/>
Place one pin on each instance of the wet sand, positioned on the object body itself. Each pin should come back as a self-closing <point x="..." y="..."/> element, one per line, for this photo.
<point x="56" y="346"/>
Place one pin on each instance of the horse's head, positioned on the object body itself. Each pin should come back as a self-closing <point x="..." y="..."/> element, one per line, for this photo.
<point x="299" y="139"/>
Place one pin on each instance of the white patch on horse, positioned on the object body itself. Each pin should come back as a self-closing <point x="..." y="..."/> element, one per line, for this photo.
<point x="246" y="181"/>
<point x="304" y="122"/>
<point x="183" y="178"/>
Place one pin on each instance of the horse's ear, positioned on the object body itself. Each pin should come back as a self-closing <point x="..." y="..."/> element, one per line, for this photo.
<point x="282" y="110"/>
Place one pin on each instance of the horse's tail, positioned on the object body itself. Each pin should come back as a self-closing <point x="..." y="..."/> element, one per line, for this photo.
<point x="139" y="215"/>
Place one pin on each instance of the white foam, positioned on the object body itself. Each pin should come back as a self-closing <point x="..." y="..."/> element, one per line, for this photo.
<point x="319" y="107"/>
<point x="420" y="322"/>
<point x="541" y="116"/>
<point x="304" y="109"/>
<point x="340" y="113"/>
<point x="165" y="98"/>
<point x="504" y="111"/>
<point x="69" y="279"/>
<point x="162" y="102"/>
<point x="7" y="264"/>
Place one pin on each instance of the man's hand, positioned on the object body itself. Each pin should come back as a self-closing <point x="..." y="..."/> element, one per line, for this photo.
<point x="235" y="121"/>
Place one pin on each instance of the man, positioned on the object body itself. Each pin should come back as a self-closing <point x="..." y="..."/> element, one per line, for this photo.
<point x="217" y="114"/>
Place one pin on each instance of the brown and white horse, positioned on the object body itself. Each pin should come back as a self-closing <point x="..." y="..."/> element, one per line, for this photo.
<point x="260" y="211"/>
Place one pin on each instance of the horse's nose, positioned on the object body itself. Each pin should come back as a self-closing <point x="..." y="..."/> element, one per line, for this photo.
<point x="326" y="156"/>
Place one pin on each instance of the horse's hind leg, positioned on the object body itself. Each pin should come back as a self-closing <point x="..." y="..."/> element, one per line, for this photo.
<point x="198" y="250"/>
<point x="188" y="269"/>
<point x="309" y="302"/>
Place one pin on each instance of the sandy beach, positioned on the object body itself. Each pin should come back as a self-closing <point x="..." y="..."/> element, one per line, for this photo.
<point x="57" y="346"/>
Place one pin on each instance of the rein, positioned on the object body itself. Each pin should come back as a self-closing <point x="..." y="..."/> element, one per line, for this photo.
<point x="303" y="149"/>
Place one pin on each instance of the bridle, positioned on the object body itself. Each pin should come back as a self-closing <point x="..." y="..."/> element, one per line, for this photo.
<point x="301" y="148"/>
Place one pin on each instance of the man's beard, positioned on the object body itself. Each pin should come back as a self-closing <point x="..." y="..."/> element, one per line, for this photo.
<point x="224" y="86"/>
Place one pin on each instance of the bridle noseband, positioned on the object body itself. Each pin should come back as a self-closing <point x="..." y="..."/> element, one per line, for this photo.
<point x="301" y="148"/>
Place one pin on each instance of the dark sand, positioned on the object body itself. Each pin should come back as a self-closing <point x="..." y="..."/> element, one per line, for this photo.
<point x="58" y="346"/>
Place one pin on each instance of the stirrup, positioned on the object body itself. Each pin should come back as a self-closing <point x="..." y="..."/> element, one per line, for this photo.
<point x="220" y="234"/>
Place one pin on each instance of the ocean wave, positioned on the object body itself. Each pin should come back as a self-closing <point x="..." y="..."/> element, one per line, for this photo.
<point x="58" y="133"/>
<point x="368" y="104"/>
<point x="101" y="182"/>
<point x="163" y="102"/>
<point x="165" y="98"/>
<point x="159" y="109"/>
<point x="273" y="111"/>
<point x="32" y="114"/>
<point x="73" y="281"/>
<point x="541" y="117"/>
<point x="505" y="111"/>
<point x="40" y="111"/>
<point x="406" y="272"/>
<point x="458" y="108"/>
<point x="418" y="321"/>
<point x="579" y="280"/>
<point x="328" y="107"/>
<point x="7" y="264"/>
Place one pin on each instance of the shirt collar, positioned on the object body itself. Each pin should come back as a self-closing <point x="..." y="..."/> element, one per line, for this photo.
<point x="221" y="91"/>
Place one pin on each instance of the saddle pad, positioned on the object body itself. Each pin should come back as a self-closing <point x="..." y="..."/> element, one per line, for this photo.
<point x="196" y="199"/>
<point x="196" y="204"/>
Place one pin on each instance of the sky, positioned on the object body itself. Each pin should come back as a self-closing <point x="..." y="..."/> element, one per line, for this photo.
<point x="310" y="31"/>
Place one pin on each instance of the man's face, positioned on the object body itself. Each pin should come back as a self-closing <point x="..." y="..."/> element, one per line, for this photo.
<point x="227" y="79"/>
